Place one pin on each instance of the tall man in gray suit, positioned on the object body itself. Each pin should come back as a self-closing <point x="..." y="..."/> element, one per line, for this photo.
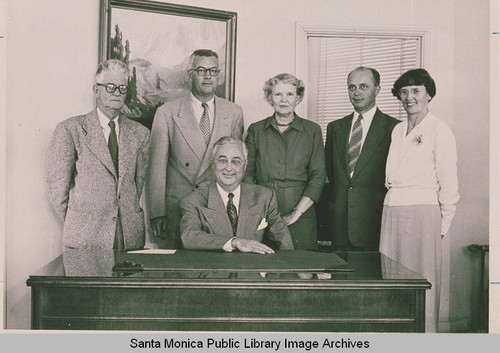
<point x="182" y="138"/>
<point x="231" y="215"/>
<point x="356" y="153"/>
<point x="96" y="168"/>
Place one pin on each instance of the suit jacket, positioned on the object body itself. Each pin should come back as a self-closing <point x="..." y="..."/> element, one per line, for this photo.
<point x="84" y="189"/>
<point x="205" y="223"/>
<point x="179" y="158"/>
<point x="356" y="204"/>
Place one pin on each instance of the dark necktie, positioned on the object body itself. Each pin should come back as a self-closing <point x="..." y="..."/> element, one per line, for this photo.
<point x="113" y="150"/>
<point x="355" y="143"/>
<point x="205" y="123"/>
<point x="231" y="212"/>
<point x="113" y="145"/>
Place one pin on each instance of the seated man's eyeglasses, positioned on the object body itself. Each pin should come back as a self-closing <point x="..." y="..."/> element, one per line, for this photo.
<point x="202" y="71"/>
<point x="224" y="162"/>
<point x="111" y="87"/>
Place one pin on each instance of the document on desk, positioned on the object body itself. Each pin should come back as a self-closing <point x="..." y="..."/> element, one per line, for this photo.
<point x="153" y="251"/>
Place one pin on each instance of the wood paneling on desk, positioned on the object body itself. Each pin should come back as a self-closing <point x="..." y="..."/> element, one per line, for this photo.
<point x="79" y="290"/>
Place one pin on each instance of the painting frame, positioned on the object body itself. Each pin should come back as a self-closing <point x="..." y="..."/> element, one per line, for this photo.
<point x="180" y="13"/>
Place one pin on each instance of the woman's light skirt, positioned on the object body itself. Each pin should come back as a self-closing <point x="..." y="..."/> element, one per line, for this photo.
<point x="411" y="235"/>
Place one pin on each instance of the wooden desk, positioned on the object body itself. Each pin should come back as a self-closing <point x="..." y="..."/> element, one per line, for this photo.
<point x="372" y="293"/>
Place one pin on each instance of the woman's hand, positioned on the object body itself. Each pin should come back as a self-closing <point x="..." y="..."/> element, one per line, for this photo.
<point x="292" y="217"/>
<point x="303" y="205"/>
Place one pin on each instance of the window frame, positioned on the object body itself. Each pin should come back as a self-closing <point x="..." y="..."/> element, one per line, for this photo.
<point x="304" y="31"/>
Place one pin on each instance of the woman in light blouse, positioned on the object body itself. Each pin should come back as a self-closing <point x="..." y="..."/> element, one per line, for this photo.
<point x="285" y="153"/>
<point x="421" y="178"/>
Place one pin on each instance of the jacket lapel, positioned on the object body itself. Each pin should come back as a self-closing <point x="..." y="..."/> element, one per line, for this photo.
<point x="342" y="138"/>
<point x="215" y="212"/>
<point x="128" y="145"/>
<point x="375" y="135"/>
<point x="95" y="141"/>
<point x="222" y="124"/>
<point x="248" y="213"/>
<point x="188" y="125"/>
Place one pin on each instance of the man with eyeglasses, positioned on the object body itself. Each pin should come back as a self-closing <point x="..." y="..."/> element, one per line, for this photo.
<point x="96" y="169"/>
<point x="230" y="215"/>
<point x="182" y="138"/>
<point x="356" y="151"/>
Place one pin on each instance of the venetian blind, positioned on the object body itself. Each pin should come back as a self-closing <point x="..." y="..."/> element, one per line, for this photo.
<point x="337" y="56"/>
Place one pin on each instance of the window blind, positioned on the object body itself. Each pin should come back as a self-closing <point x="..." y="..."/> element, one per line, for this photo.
<point x="337" y="56"/>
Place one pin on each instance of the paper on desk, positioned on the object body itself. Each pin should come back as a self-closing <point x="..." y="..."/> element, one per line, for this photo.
<point x="153" y="251"/>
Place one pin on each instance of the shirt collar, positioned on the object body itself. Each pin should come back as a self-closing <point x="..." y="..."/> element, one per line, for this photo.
<point x="367" y="116"/>
<point x="426" y="123"/>
<point x="296" y="123"/>
<point x="225" y="195"/>
<point x="104" y="120"/>
<point x="236" y="191"/>
<point x="198" y="102"/>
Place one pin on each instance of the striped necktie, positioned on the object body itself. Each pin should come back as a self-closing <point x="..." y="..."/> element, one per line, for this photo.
<point x="355" y="143"/>
<point x="205" y="123"/>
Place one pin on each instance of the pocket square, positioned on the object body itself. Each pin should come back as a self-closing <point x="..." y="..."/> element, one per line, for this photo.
<point x="263" y="224"/>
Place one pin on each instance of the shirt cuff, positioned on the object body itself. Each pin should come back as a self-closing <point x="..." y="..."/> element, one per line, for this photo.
<point x="228" y="247"/>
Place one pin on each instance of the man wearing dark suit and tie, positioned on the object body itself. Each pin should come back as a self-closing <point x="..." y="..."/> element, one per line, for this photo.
<point x="182" y="138"/>
<point x="96" y="168"/>
<point x="356" y="153"/>
<point x="230" y="215"/>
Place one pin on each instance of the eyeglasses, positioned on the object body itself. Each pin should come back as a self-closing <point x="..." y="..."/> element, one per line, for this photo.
<point x="202" y="71"/>
<point x="224" y="162"/>
<point x="403" y="93"/>
<point x="111" y="87"/>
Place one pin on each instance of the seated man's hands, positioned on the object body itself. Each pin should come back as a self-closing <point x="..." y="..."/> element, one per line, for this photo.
<point x="159" y="226"/>
<point x="248" y="245"/>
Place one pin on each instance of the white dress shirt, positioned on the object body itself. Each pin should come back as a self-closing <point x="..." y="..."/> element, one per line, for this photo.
<point x="198" y="110"/>
<point x="104" y="120"/>
<point x="422" y="168"/>
<point x="236" y="201"/>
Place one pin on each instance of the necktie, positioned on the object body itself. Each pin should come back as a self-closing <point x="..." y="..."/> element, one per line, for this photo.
<point x="113" y="145"/>
<point x="113" y="150"/>
<point x="205" y="123"/>
<point x="231" y="212"/>
<point x="355" y="143"/>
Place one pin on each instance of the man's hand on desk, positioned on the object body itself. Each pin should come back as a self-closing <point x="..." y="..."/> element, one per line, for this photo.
<point x="248" y="245"/>
<point x="159" y="226"/>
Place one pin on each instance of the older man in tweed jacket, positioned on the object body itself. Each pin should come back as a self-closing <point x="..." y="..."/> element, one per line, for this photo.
<point x="96" y="169"/>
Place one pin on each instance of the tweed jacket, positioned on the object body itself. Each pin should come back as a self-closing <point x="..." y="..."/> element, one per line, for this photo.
<point x="179" y="158"/>
<point x="356" y="203"/>
<point x="205" y="223"/>
<point x="83" y="187"/>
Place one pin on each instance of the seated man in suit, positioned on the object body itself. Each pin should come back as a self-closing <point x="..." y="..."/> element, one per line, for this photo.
<point x="231" y="215"/>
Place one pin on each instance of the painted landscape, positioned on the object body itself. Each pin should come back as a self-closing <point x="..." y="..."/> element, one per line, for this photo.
<point x="159" y="61"/>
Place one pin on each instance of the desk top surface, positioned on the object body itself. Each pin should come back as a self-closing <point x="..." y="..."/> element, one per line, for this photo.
<point x="284" y="265"/>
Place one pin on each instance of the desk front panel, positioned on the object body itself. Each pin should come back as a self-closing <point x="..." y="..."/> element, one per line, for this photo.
<point x="362" y="301"/>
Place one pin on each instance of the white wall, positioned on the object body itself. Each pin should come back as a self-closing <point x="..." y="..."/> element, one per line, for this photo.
<point x="52" y="55"/>
<point x="494" y="261"/>
<point x="3" y="146"/>
<point x="470" y="123"/>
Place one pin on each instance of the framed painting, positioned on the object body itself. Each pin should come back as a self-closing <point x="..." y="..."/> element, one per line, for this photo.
<point x="156" y="39"/>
